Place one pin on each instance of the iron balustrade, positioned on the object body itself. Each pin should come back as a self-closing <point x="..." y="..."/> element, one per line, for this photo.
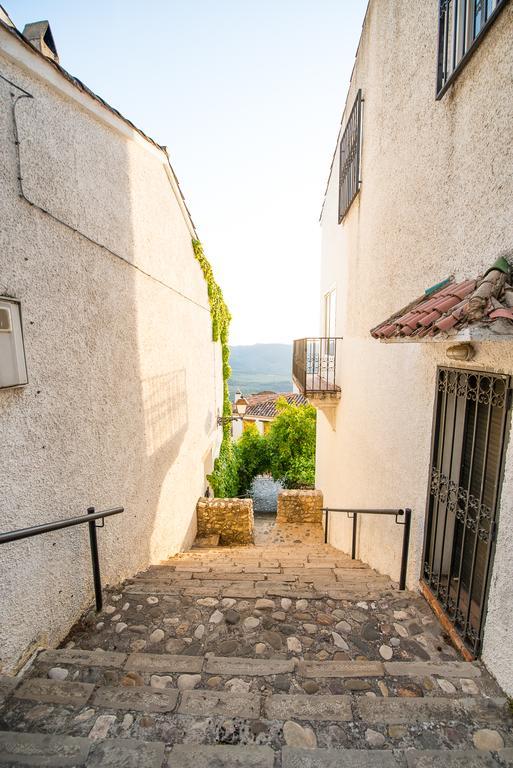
<point x="402" y="517"/>
<point x="461" y="27"/>
<point x="91" y="518"/>
<point x="314" y="365"/>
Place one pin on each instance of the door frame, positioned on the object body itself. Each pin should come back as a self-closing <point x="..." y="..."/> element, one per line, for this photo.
<point x="442" y="614"/>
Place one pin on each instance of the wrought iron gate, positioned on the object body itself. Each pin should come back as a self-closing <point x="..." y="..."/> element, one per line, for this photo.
<point x="466" y="467"/>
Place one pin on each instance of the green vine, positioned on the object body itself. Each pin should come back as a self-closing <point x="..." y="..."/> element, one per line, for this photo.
<point x="224" y="477"/>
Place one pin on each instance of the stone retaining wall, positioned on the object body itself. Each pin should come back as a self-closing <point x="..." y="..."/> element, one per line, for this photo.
<point x="300" y="507"/>
<point x="232" y="519"/>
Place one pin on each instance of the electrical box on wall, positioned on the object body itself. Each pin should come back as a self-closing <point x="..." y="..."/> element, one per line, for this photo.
<point x="13" y="366"/>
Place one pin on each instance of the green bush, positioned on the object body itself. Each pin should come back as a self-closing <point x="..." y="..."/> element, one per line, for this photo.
<point x="291" y="441"/>
<point x="287" y="452"/>
<point x="251" y="457"/>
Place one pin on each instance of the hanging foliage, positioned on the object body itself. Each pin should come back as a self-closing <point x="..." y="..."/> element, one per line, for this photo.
<point x="224" y="477"/>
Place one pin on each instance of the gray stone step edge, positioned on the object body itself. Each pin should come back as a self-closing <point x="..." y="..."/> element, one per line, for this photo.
<point x="29" y="749"/>
<point x="322" y="707"/>
<point x="162" y="662"/>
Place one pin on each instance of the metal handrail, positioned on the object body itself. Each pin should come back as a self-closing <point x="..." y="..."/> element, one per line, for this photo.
<point x="90" y="519"/>
<point x="405" y="514"/>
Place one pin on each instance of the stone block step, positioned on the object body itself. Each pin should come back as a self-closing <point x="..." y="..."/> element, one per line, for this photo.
<point x="242" y="667"/>
<point x="34" y="749"/>
<point x="164" y="663"/>
<point x="83" y="658"/>
<point x="464" y="669"/>
<point x="354" y="758"/>
<point x="306" y="707"/>
<point x="37" y="749"/>
<point x="342" y="669"/>
<point x="54" y="691"/>
<point x="136" y="699"/>
<point x="226" y="703"/>
<point x="228" y="666"/>
<point x="398" y="711"/>
<point x="337" y="758"/>
<point x="220" y="756"/>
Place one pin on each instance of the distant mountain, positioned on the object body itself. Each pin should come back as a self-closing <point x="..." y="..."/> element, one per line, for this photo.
<point x="259" y="367"/>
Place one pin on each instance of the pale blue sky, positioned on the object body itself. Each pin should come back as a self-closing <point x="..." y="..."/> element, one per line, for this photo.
<point x="247" y="95"/>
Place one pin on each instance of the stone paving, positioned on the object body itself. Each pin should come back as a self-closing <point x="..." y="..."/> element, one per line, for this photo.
<point x="282" y="655"/>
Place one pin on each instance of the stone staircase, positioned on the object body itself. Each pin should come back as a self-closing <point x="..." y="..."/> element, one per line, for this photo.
<point x="280" y="656"/>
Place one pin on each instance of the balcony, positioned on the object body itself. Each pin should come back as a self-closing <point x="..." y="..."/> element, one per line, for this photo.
<point x="314" y="370"/>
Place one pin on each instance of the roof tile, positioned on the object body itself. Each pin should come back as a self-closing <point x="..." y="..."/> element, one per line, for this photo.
<point x="455" y="306"/>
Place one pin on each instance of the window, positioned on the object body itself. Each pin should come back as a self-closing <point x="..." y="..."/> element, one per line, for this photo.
<point x="350" y="146"/>
<point x="462" y="25"/>
<point x="330" y="308"/>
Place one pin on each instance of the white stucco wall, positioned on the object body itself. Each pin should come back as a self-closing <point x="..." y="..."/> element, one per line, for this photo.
<point x="125" y="382"/>
<point x="436" y="199"/>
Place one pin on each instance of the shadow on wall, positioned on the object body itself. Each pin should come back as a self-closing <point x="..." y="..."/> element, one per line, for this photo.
<point x="105" y="415"/>
<point x="165" y="409"/>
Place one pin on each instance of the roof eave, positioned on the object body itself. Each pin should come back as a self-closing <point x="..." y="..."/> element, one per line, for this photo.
<point x="498" y="330"/>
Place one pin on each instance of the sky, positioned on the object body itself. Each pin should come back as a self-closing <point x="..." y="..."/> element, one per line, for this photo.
<point x="247" y="95"/>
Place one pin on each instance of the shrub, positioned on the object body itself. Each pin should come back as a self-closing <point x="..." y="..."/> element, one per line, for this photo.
<point x="292" y="444"/>
<point x="252" y="457"/>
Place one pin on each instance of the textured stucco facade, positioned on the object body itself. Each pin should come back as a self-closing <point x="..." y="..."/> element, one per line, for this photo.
<point x="125" y="382"/>
<point x="436" y="199"/>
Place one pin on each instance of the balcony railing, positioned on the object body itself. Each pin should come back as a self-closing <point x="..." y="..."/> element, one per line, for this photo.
<point x="314" y="366"/>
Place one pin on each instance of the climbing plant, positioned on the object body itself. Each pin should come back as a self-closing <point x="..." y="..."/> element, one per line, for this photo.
<point x="223" y="479"/>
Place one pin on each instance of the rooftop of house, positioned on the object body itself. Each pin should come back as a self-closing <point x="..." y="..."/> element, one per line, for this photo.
<point x="449" y="308"/>
<point x="263" y="404"/>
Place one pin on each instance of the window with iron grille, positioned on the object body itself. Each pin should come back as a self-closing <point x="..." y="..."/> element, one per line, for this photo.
<point x="462" y="26"/>
<point x="350" y="146"/>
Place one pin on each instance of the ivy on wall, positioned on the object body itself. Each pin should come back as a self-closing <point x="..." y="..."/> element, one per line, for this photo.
<point x="224" y="477"/>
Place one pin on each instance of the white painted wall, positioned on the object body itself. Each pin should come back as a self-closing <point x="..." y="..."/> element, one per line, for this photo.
<point x="436" y="199"/>
<point x="124" y="379"/>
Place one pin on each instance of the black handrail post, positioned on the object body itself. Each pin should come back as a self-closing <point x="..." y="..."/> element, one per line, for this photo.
<point x="406" y="544"/>
<point x="97" y="580"/>
<point x="353" y="543"/>
<point x="327" y="512"/>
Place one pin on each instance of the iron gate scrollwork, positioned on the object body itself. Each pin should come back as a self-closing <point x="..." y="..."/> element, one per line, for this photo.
<point x="467" y="451"/>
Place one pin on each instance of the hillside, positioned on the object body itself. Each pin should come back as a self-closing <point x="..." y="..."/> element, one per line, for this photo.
<point x="258" y="367"/>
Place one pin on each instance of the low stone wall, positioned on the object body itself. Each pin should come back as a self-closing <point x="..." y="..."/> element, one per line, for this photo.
<point x="300" y="507"/>
<point x="232" y="519"/>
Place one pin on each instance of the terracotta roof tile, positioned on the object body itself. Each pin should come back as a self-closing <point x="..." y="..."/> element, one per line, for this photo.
<point x="453" y="306"/>
<point x="264" y="405"/>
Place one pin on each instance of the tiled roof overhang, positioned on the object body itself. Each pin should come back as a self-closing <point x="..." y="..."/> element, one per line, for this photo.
<point x="478" y="309"/>
<point x="265" y="408"/>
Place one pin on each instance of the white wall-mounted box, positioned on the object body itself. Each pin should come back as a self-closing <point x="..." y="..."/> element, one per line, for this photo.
<point x="13" y="365"/>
